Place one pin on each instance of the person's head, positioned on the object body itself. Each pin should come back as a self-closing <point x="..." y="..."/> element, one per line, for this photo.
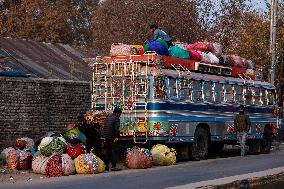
<point x="153" y="27"/>
<point x="241" y="109"/>
<point x="117" y="112"/>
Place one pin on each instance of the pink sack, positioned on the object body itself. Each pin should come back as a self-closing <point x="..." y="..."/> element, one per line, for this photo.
<point x="238" y="61"/>
<point x="216" y="49"/>
<point x="120" y="49"/>
<point x="194" y="55"/>
<point x="198" y="46"/>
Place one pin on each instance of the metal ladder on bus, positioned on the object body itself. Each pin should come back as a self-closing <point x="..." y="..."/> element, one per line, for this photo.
<point x="139" y="92"/>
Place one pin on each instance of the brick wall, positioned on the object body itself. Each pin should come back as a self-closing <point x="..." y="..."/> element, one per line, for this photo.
<point x="31" y="107"/>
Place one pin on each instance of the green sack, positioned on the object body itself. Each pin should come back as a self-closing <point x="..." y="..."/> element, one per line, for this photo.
<point x="146" y="47"/>
<point x="164" y="43"/>
<point x="178" y="52"/>
<point x="57" y="145"/>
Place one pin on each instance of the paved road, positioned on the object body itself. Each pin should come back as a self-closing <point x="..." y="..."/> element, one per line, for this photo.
<point x="162" y="177"/>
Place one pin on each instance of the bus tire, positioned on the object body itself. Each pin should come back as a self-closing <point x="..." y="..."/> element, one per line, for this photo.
<point x="199" y="149"/>
<point x="254" y="146"/>
<point x="265" y="145"/>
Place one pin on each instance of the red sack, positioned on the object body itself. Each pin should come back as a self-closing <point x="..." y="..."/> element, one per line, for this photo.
<point x="75" y="151"/>
<point x="136" y="159"/>
<point x="54" y="166"/>
<point x="194" y="55"/>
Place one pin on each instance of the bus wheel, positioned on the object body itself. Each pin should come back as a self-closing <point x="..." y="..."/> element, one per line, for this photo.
<point x="199" y="149"/>
<point x="265" y="145"/>
<point x="254" y="146"/>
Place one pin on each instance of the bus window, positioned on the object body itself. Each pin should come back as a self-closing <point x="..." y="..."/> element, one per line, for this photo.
<point x="197" y="91"/>
<point x="185" y="90"/>
<point x="218" y="90"/>
<point x="173" y="88"/>
<point x="207" y="88"/>
<point x="128" y="88"/>
<point x="117" y="85"/>
<point x="256" y="96"/>
<point x="270" y="97"/>
<point x="159" y="88"/>
<point x="239" y="94"/>
<point x="229" y="93"/>
<point x="264" y="94"/>
<point x="248" y="95"/>
<point x="141" y="87"/>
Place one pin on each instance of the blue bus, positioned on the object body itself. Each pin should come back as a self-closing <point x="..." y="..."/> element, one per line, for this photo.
<point x="192" y="111"/>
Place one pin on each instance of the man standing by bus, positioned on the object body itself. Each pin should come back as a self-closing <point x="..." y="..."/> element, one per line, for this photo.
<point x="242" y="126"/>
<point x="110" y="134"/>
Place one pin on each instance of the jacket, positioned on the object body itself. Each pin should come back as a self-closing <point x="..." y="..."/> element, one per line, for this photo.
<point x="111" y="127"/>
<point x="242" y="123"/>
<point x="158" y="33"/>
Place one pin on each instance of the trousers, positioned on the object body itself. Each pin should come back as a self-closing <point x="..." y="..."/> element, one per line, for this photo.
<point x="242" y="136"/>
<point x="111" y="153"/>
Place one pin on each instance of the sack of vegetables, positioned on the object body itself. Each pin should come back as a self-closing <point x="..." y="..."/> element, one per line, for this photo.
<point x="50" y="145"/>
<point x="59" y="165"/>
<point x="86" y="164"/>
<point x="101" y="165"/>
<point x="4" y="155"/>
<point x="163" y="155"/>
<point x="138" y="158"/>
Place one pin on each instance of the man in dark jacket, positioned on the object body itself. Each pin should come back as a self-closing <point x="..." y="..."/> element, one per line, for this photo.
<point x="242" y="126"/>
<point x="110" y="133"/>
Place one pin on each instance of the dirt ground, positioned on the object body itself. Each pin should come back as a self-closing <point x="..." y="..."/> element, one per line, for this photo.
<point x="15" y="176"/>
<point x="20" y="176"/>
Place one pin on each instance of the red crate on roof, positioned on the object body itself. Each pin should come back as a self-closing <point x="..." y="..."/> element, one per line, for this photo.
<point x="170" y="61"/>
<point x="241" y="72"/>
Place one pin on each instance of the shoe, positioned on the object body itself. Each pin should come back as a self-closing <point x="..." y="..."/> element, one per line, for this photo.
<point x="115" y="169"/>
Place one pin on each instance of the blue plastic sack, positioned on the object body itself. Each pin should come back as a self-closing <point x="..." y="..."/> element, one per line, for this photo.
<point x="158" y="47"/>
<point x="13" y="73"/>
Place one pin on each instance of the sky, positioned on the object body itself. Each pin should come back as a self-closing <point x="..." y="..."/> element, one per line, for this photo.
<point x="259" y="4"/>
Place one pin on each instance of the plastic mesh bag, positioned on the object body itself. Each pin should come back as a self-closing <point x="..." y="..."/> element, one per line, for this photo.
<point x="101" y="165"/>
<point x="50" y="145"/>
<point x="4" y="155"/>
<point x="68" y="165"/>
<point x="137" y="158"/>
<point x="12" y="159"/>
<point x="54" y="166"/>
<point x="86" y="164"/>
<point x="162" y="155"/>
<point x="39" y="164"/>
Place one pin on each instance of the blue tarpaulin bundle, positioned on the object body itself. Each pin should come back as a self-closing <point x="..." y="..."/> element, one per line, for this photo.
<point x="13" y="73"/>
<point x="156" y="46"/>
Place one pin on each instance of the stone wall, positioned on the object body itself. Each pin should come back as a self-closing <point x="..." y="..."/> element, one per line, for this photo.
<point x="31" y="107"/>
